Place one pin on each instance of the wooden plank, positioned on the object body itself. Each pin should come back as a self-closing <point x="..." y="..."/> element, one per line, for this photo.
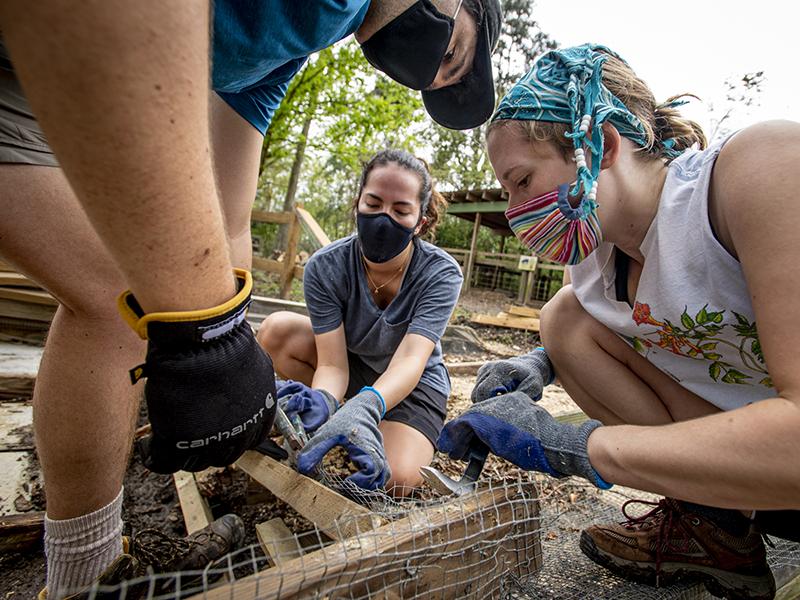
<point x="15" y="481"/>
<point x="277" y="541"/>
<point x="267" y="264"/>
<point x="465" y="548"/>
<point x="473" y="246"/>
<point x="574" y="418"/>
<point x="26" y="310"/>
<point x="334" y="514"/>
<point x="289" y="257"/>
<point x="196" y="513"/>
<point x="464" y="368"/>
<point x="313" y="228"/>
<point x="16" y="426"/>
<point x="789" y="591"/>
<point x="32" y="296"/>
<point x="523" y="311"/>
<point x="263" y="216"/>
<point x="512" y="321"/>
<point x="21" y="532"/>
<point x="18" y="367"/>
<point x="14" y="279"/>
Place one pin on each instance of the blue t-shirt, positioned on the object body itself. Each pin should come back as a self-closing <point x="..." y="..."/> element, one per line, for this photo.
<point x="336" y="292"/>
<point x="259" y="45"/>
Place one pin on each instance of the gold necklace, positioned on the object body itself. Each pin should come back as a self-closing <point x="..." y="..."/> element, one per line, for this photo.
<point x="378" y="288"/>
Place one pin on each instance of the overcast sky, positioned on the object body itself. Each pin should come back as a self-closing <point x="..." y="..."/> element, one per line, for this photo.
<point x="693" y="46"/>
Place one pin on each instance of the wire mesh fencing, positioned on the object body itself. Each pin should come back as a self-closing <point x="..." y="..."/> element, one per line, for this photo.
<point x="516" y="538"/>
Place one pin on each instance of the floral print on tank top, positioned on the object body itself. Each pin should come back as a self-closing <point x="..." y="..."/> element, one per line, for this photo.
<point x="706" y="336"/>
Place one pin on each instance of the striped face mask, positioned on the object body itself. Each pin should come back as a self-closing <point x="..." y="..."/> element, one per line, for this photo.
<point x="554" y="230"/>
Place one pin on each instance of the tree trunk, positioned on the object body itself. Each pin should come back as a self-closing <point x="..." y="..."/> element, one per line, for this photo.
<point x="294" y="178"/>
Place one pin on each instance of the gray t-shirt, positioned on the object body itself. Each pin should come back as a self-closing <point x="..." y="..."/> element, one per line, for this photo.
<point x="336" y="292"/>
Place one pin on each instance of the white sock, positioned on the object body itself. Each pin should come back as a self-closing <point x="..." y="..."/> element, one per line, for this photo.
<point x="78" y="550"/>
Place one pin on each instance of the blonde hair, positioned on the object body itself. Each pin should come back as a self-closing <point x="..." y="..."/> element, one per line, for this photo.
<point x="661" y="122"/>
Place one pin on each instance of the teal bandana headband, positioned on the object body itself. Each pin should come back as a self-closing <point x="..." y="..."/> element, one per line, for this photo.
<point x="565" y="86"/>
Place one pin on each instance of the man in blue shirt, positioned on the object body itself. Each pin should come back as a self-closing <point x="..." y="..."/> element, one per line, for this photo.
<point x="147" y="196"/>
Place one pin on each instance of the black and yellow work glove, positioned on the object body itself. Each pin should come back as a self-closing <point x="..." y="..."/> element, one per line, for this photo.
<point x="210" y="387"/>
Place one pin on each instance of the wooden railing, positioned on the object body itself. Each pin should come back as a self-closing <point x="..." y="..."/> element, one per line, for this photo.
<point x="287" y="268"/>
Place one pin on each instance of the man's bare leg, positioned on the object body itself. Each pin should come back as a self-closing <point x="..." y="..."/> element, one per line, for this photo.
<point x="84" y="405"/>
<point x="126" y="111"/>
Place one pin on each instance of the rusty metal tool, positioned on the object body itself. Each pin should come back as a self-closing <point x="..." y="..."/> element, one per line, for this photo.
<point x="294" y="435"/>
<point x="476" y="455"/>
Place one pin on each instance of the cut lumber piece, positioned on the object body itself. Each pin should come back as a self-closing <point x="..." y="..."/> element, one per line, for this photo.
<point x="465" y="548"/>
<point x="264" y="216"/>
<point x="277" y="541"/>
<point x="574" y="418"/>
<point x="523" y="311"/>
<point x="789" y="591"/>
<point x="21" y="532"/>
<point x="30" y="296"/>
<point x="310" y="224"/>
<point x="335" y="515"/>
<point x="16" y="426"/>
<point x="512" y="321"/>
<point x="27" y="311"/>
<point x="15" y="479"/>
<point x="196" y="513"/>
<point x="464" y="368"/>
<point x="14" y="279"/>
<point x="18" y="367"/>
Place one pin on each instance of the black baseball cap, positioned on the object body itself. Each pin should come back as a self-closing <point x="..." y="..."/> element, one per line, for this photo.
<point x="470" y="102"/>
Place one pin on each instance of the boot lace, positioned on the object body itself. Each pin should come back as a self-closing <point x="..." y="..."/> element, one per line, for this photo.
<point x="666" y="516"/>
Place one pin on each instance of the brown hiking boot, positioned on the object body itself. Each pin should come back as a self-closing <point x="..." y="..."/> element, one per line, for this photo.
<point x="151" y="551"/>
<point x="166" y="554"/>
<point x="670" y="543"/>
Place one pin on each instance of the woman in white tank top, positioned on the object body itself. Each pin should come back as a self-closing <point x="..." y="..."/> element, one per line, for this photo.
<point x="679" y="334"/>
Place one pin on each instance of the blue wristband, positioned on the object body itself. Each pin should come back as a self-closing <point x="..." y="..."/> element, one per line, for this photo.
<point x="369" y="388"/>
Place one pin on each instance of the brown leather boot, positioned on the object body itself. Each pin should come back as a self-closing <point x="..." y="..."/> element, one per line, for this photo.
<point x="671" y="543"/>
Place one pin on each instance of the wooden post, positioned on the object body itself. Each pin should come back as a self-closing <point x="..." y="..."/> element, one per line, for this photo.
<point x="289" y="256"/>
<point x="277" y="541"/>
<point x="196" y="513"/>
<point x="473" y="247"/>
<point x="523" y="284"/>
<point x="461" y="549"/>
<point x="20" y="532"/>
<point x="334" y="514"/>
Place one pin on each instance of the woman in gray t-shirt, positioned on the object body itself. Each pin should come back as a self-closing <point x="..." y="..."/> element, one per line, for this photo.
<point x="379" y="302"/>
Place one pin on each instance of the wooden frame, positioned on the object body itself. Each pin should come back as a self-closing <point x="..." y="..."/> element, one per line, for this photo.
<point x="435" y="552"/>
<point x="335" y="515"/>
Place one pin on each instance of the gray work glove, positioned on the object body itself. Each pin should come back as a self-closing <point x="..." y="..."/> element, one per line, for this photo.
<point x="528" y="374"/>
<point x="354" y="427"/>
<point x="525" y="434"/>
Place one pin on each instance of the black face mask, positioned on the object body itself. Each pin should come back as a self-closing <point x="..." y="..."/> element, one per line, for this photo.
<point x="382" y="238"/>
<point x="410" y="48"/>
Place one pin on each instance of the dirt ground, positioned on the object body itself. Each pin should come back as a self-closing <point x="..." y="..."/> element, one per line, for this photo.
<point x="151" y="500"/>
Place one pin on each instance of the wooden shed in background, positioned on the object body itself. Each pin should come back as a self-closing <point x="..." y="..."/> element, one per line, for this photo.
<point x="493" y="270"/>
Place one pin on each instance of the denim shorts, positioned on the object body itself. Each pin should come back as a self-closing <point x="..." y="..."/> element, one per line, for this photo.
<point x="424" y="409"/>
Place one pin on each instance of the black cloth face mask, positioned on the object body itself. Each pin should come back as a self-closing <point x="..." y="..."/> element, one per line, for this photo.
<point x="382" y="238"/>
<point x="410" y="48"/>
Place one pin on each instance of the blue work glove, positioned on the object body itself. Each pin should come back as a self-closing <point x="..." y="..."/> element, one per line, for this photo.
<point x="525" y="434"/>
<point x="314" y="406"/>
<point x="528" y="374"/>
<point x="355" y="428"/>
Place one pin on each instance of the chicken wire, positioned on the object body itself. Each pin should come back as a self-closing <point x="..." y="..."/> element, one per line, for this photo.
<point x="513" y="539"/>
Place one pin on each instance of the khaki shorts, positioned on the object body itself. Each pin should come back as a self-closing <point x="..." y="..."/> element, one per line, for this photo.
<point x="21" y="139"/>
